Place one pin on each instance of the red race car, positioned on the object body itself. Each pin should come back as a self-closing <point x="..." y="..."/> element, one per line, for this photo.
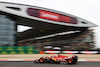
<point x="57" y="59"/>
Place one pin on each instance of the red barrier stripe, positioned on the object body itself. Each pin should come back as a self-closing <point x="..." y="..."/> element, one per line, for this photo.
<point x="3" y="60"/>
<point x="51" y="53"/>
<point x="69" y="53"/>
<point x="87" y="51"/>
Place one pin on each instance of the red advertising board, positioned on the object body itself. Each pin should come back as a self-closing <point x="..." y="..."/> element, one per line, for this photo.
<point x="51" y="16"/>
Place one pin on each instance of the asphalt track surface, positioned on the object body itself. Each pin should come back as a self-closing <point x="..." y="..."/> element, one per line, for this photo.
<point x="31" y="64"/>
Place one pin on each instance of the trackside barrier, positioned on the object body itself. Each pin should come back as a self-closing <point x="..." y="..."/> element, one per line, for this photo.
<point x="18" y="50"/>
<point x="32" y="50"/>
<point x="52" y="52"/>
<point x="72" y="52"/>
<point x="41" y="52"/>
<point x="89" y="52"/>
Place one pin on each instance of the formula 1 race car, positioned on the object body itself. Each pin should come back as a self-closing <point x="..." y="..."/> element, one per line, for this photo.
<point x="57" y="59"/>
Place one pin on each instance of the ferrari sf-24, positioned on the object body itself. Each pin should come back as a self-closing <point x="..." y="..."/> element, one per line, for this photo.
<point x="57" y="59"/>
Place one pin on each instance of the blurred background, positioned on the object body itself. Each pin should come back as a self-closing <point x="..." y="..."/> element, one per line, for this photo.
<point x="19" y="33"/>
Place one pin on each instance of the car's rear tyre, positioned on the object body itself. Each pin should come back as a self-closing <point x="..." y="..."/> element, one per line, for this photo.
<point x="75" y="58"/>
<point x="70" y="61"/>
